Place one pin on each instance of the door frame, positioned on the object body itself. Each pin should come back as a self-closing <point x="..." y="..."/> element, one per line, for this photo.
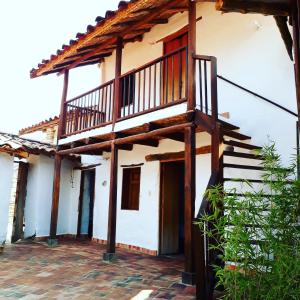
<point x="161" y="204"/>
<point x="80" y="202"/>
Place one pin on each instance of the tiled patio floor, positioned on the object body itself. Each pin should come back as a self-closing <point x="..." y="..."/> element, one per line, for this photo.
<point x="75" y="270"/>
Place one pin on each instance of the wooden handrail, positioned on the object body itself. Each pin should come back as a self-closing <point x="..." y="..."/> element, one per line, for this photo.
<point x="258" y="96"/>
<point x="91" y="91"/>
<point x="153" y="62"/>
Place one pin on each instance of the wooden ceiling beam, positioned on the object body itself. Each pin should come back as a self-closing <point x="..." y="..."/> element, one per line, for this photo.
<point x="265" y="7"/>
<point x="156" y="14"/>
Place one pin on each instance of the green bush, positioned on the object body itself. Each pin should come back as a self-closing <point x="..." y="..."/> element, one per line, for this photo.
<point x="257" y="235"/>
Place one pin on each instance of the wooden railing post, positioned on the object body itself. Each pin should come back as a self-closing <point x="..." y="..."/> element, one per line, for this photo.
<point x="191" y="85"/>
<point x="117" y="87"/>
<point x="112" y="213"/>
<point x="63" y="113"/>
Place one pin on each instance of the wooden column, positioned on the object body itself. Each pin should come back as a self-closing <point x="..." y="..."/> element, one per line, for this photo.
<point x="55" y="200"/>
<point x="117" y="88"/>
<point x="191" y="85"/>
<point x="112" y="212"/>
<point x="63" y="117"/>
<point x="188" y="276"/>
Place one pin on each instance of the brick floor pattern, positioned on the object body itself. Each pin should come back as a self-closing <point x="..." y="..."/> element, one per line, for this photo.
<point x="75" y="270"/>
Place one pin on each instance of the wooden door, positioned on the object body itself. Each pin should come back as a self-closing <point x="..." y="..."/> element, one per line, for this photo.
<point x="175" y="67"/>
<point x="18" y="222"/>
<point x="86" y="204"/>
<point x="172" y="212"/>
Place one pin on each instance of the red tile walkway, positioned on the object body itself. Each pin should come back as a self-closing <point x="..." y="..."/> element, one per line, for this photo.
<point x="75" y="270"/>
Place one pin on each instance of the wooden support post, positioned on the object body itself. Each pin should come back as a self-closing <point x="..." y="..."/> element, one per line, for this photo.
<point x="112" y="213"/>
<point x="188" y="276"/>
<point x="191" y="85"/>
<point x="117" y="88"/>
<point x="55" y="200"/>
<point x="63" y="112"/>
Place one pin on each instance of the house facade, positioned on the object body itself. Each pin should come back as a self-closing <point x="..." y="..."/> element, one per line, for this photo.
<point x="26" y="189"/>
<point x="186" y="95"/>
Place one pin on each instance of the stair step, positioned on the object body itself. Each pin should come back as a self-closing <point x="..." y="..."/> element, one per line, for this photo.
<point x="228" y="126"/>
<point x="236" y="135"/>
<point x="245" y="167"/>
<point x="245" y="195"/>
<point x="241" y="145"/>
<point x="243" y="180"/>
<point x="242" y="155"/>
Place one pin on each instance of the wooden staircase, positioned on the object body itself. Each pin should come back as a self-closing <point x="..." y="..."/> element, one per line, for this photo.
<point x="239" y="166"/>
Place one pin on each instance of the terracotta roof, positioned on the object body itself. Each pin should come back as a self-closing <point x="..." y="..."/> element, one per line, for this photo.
<point x="14" y="144"/>
<point x="40" y="126"/>
<point x="130" y="21"/>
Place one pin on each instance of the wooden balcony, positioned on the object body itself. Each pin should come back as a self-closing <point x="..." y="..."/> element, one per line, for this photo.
<point x="157" y="85"/>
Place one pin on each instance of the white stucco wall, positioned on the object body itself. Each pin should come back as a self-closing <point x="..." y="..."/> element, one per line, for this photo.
<point x="6" y="179"/>
<point x="39" y="197"/>
<point x="141" y="228"/>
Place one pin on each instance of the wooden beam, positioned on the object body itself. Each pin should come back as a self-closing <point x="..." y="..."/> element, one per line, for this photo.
<point x="282" y="24"/>
<point x="55" y="196"/>
<point x="127" y="140"/>
<point x="112" y="213"/>
<point x="147" y="142"/>
<point x="62" y="119"/>
<point x="265" y="7"/>
<point x="175" y="136"/>
<point x="171" y="156"/>
<point x="188" y="275"/>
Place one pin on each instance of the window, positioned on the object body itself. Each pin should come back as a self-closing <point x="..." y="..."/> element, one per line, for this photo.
<point x="127" y="90"/>
<point x="131" y="188"/>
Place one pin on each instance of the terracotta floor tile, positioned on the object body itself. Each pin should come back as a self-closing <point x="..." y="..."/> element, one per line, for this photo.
<point x="75" y="270"/>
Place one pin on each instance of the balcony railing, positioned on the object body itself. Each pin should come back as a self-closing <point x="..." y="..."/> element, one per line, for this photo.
<point x="156" y="85"/>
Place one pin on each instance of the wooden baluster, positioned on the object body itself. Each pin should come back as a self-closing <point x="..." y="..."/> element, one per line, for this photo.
<point x="205" y="87"/>
<point x="144" y="89"/>
<point x="102" y="105"/>
<point x="161" y="82"/>
<point x="139" y="93"/>
<point x="167" y="80"/>
<point x="180" y="79"/>
<point x="105" y="104"/>
<point x="200" y="85"/>
<point x="111" y="92"/>
<point x="173" y="78"/>
<point x="149" y="96"/>
<point x="154" y="96"/>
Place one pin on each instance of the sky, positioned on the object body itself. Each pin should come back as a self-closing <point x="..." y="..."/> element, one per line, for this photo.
<point x="32" y="30"/>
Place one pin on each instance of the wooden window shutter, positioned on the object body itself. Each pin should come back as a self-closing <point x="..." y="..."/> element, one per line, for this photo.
<point x="131" y="188"/>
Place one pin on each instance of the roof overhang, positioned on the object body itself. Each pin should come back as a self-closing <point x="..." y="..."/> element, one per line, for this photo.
<point x="265" y="7"/>
<point x="131" y="21"/>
